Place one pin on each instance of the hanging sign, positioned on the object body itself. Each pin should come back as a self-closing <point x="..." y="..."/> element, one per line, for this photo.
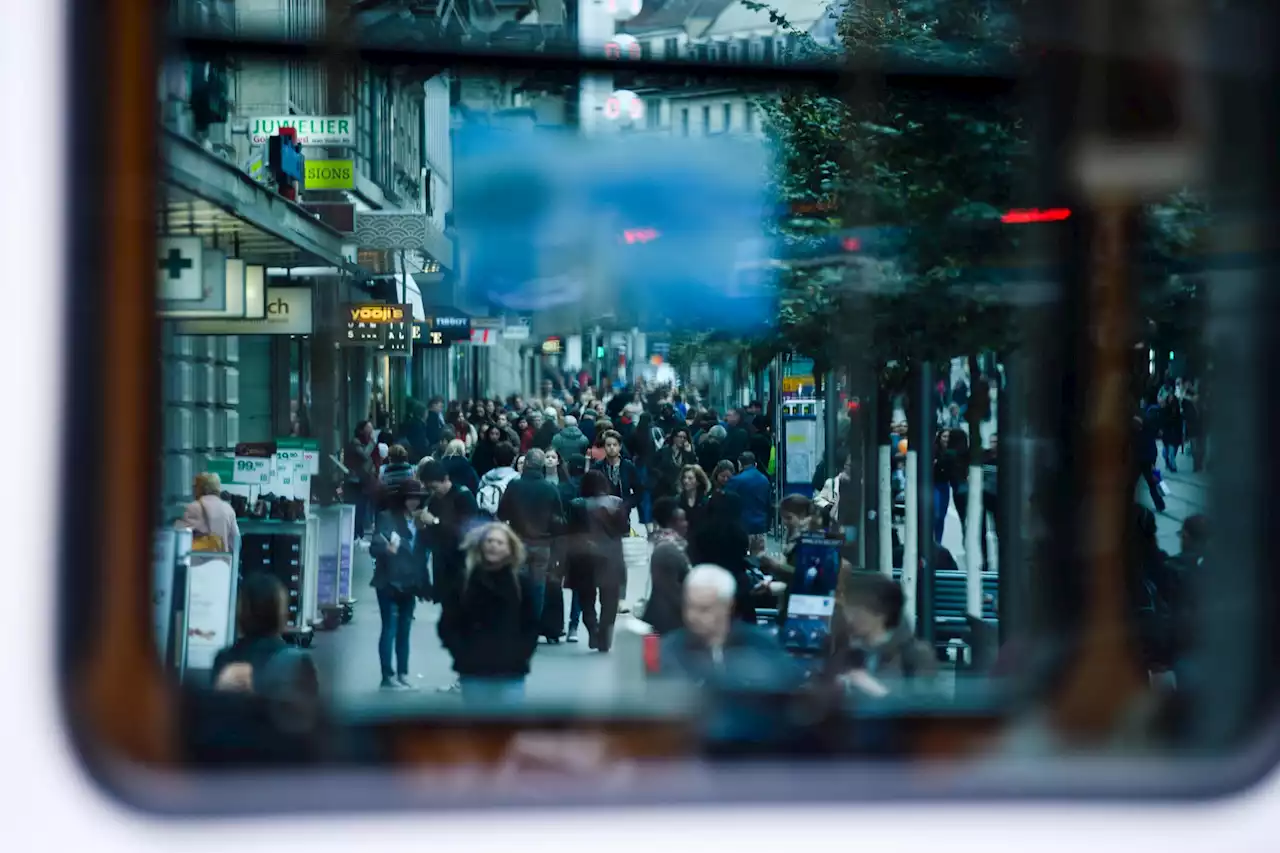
<point x="452" y="325"/>
<point x="368" y="323"/>
<point x="428" y="337"/>
<point x="330" y="175"/>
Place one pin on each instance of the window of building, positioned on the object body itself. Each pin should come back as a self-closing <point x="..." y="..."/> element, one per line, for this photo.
<point x="749" y="118"/>
<point x="702" y="52"/>
<point x="728" y="116"/>
<point x="671" y="49"/>
<point x="684" y="122"/>
<point x="653" y="113"/>
<point x="706" y="120"/>
<point x="766" y="49"/>
<point x="646" y="50"/>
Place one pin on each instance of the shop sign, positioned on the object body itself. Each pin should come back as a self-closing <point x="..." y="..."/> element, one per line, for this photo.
<point x="793" y="384"/>
<point x="330" y="175"/>
<point x="553" y="346"/>
<point x="398" y="340"/>
<point x="312" y="130"/>
<point x="288" y="312"/>
<point x="425" y="336"/>
<point x="484" y="337"/>
<point x="452" y="326"/>
<point x="519" y="329"/>
<point x="368" y="323"/>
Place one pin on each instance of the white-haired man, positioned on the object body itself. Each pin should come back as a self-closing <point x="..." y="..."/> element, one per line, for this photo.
<point x="716" y="649"/>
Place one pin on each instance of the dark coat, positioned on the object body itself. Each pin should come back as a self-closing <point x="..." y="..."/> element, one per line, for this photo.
<point x="489" y="624"/>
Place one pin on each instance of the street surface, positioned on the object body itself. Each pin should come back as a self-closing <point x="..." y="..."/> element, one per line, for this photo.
<point x="568" y="672"/>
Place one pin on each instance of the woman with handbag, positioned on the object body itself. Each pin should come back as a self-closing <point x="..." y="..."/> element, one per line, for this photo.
<point x="211" y="520"/>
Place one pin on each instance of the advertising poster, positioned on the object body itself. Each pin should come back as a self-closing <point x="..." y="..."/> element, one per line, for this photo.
<point x="165" y="557"/>
<point x="346" y="543"/>
<point x="811" y="604"/>
<point x="211" y="589"/>
<point x="329" y="545"/>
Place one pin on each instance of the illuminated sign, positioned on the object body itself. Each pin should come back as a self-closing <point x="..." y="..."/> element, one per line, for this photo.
<point x="376" y="324"/>
<point x="452" y="325"/>
<point x="1019" y="217"/>
<point x="553" y="346"/>
<point x="640" y="235"/>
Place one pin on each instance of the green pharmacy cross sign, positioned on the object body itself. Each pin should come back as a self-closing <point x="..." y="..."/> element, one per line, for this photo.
<point x="174" y="263"/>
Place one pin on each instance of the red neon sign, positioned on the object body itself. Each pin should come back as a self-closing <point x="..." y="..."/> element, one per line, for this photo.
<point x="640" y="235"/>
<point x="1035" y="214"/>
<point x="851" y="244"/>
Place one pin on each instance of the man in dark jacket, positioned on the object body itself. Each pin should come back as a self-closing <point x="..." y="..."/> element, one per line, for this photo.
<point x="531" y="505"/>
<point x="624" y="479"/>
<point x="570" y="441"/>
<point x="752" y="491"/>
<point x="451" y="509"/>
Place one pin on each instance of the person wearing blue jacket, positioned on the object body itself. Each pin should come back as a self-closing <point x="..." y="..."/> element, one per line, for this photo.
<point x="752" y="489"/>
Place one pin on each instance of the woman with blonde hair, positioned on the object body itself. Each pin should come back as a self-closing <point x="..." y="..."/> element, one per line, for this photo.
<point x="211" y="520"/>
<point x="489" y="624"/>
<point x="459" y="467"/>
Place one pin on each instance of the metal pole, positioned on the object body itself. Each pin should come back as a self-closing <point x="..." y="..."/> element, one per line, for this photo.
<point x="884" y="478"/>
<point x="869" y="520"/>
<point x="923" y="425"/>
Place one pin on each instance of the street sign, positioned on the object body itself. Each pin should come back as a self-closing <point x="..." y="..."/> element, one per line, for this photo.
<point x="330" y="175"/>
<point x="180" y="267"/>
<point x="337" y="131"/>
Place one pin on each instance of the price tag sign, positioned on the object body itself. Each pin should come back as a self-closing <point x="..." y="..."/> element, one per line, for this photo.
<point x="311" y="458"/>
<point x="252" y="470"/>
<point x="289" y="457"/>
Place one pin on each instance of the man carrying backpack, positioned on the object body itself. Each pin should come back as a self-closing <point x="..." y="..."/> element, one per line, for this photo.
<point x="493" y="485"/>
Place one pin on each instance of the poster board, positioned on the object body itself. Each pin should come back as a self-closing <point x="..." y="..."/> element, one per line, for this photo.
<point x="209" y="608"/>
<point x="811" y="604"/>
<point x="328" y="547"/>
<point x="171" y="551"/>
<point x="346" y="550"/>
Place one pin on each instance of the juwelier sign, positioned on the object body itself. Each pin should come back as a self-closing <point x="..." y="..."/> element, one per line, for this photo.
<point x="338" y="131"/>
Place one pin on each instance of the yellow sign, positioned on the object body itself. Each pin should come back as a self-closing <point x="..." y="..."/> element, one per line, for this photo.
<point x="377" y="314"/>
<point x="792" y="384"/>
<point x="330" y="175"/>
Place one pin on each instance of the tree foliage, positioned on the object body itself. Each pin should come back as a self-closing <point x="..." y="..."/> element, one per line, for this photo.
<point x="935" y="172"/>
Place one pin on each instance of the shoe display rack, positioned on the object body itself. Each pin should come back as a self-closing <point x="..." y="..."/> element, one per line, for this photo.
<point x="288" y="550"/>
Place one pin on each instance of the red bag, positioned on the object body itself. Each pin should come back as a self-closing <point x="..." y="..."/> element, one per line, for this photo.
<point x="651" y="645"/>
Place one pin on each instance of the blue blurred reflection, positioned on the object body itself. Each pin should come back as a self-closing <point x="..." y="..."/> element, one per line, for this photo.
<point x="655" y="231"/>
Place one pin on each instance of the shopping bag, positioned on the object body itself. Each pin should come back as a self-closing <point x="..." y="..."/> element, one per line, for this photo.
<point x="1160" y="483"/>
<point x="628" y="653"/>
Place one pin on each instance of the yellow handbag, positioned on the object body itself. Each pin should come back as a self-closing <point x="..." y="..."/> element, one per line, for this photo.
<point x="207" y="541"/>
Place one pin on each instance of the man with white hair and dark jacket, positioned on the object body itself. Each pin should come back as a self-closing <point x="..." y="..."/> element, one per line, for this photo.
<point x="717" y="650"/>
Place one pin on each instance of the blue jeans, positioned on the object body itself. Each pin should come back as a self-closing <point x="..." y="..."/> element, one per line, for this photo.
<point x="491" y="691"/>
<point x="1170" y="457"/>
<point x="941" y="503"/>
<point x="539" y="595"/>
<point x="396" y="608"/>
<point x="575" y="611"/>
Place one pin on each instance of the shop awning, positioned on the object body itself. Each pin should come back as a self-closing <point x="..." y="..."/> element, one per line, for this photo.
<point x="204" y="194"/>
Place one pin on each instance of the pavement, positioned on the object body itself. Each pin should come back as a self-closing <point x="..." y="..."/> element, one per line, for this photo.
<point x="564" y="672"/>
<point x="1188" y="495"/>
